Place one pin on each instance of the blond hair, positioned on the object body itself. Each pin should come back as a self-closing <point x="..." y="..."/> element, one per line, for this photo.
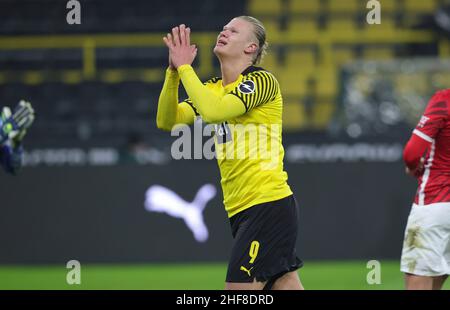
<point x="260" y="33"/>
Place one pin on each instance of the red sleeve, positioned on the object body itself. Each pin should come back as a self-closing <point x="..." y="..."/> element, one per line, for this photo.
<point x="434" y="117"/>
<point x="414" y="150"/>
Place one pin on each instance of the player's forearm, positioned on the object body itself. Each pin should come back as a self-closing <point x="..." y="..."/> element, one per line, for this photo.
<point x="168" y="101"/>
<point x="212" y="108"/>
<point x="414" y="150"/>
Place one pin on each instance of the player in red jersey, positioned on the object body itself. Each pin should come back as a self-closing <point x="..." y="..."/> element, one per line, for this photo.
<point x="426" y="248"/>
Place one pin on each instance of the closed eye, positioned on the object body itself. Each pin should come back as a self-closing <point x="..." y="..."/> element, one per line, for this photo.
<point x="232" y="30"/>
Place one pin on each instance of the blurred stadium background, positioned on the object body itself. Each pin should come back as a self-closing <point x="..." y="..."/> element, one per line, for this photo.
<point x="352" y="91"/>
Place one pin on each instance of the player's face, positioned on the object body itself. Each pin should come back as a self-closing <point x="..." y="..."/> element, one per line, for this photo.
<point x="236" y="39"/>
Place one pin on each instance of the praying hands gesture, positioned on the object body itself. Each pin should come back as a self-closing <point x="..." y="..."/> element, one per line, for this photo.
<point x="181" y="52"/>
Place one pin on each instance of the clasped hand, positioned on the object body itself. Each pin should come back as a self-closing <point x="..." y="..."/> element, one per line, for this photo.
<point x="181" y="52"/>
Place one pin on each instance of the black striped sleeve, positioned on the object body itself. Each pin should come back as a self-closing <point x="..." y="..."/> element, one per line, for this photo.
<point x="189" y="101"/>
<point x="257" y="88"/>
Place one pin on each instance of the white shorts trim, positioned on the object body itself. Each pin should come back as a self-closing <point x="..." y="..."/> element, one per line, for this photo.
<point x="426" y="246"/>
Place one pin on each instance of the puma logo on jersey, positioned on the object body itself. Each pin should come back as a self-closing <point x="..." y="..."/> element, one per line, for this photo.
<point x="247" y="87"/>
<point x="161" y="199"/>
<point x="246" y="270"/>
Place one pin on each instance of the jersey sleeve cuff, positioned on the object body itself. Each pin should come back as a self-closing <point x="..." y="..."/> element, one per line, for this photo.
<point x="184" y="68"/>
<point x="423" y="136"/>
<point x="172" y="77"/>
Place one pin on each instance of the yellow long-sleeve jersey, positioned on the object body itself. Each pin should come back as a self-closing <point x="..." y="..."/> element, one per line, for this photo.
<point x="248" y="118"/>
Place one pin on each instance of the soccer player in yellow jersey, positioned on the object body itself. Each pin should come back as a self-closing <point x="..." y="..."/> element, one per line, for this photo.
<point x="244" y="103"/>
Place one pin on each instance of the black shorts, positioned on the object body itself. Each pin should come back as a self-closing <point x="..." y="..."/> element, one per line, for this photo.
<point x="265" y="236"/>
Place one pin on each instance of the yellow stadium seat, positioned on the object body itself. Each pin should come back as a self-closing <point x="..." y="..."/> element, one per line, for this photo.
<point x="323" y="113"/>
<point x="378" y="53"/>
<point x="327" y="82"/>
<point x="341" y="26"/>
<point x="300" y="58"/>
<point x="388" y="6"/>
<point x="302" y="26"/>
<point x="411" y="20"/>
<point x="270" y="61"/>
<point x="272" y="28"/>
<point x="346" y="6"/>
<point x="304" y="6"/>
<point x="293" y="115"/>
<point x="342" y="56"/>
<point x="420" y="6"/>
<point x="342" y="23"/>
<point x="264" y="7"/>
<point x="293" y="82"/>
<point x="387" y="26"/>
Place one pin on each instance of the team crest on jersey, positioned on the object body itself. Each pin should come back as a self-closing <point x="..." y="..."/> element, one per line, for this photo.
<point x="423" y="121"/>
<point x="247" y="87"/>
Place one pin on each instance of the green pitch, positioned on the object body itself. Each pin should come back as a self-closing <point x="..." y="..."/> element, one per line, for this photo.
<point x="315" y="275"/>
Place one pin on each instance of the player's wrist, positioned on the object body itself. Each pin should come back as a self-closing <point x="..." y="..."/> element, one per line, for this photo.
<point x="172" y="73"/>
<point x="171" y="69"/>
<point x="183" y="68"/>
<point x="172" y="77"/>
